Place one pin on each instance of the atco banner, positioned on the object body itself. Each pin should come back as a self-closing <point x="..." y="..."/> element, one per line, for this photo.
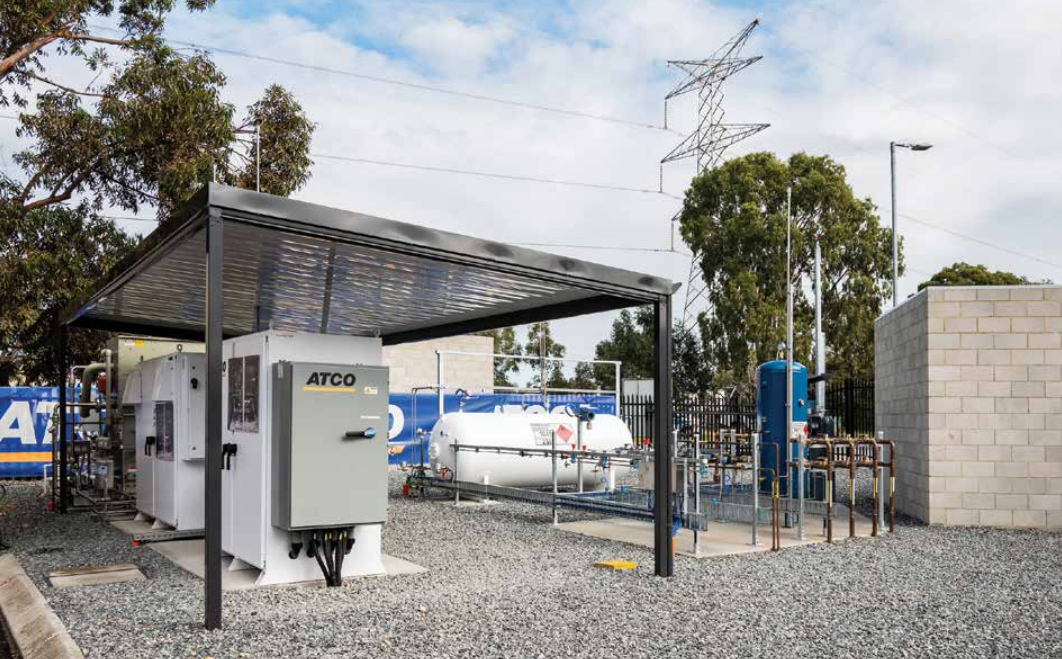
<point x="25" y="431"/>
<point x="26" y="442"/>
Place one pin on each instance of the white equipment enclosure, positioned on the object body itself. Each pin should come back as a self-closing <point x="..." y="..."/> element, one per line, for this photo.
<point x="304" y="455"/>
<point x="167" y="396"/>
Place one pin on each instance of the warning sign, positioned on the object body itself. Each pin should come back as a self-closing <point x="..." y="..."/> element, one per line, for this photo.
<point x="543" y="433"/>
<point x="799" y="430"/>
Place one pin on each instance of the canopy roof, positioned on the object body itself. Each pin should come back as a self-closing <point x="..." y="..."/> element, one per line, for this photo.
<point x="291" y="265"/>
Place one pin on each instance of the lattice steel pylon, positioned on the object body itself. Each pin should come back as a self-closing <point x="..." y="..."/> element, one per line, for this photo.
<point x="712" y="136"/>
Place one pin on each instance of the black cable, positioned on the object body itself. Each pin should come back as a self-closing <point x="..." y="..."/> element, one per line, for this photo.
<point x="341" y="546"/>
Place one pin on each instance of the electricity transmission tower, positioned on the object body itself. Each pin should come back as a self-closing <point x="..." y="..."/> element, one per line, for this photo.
<point x="711" y="137"/>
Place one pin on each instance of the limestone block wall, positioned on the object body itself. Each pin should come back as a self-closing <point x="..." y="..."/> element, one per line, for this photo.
<point x="414" y="364"/>
<point x="984" y="429"/>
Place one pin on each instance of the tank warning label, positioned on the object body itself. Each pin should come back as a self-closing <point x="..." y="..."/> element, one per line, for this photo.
<point x="543" y="433"/>
<point x="371" y="391"/>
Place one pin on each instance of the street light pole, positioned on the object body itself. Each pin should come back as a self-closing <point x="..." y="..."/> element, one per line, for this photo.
<point x="895" y="234"/>
<point x="895" y="240"/>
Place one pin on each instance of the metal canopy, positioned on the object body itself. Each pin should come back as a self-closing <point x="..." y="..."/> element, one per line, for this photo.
<point x="234" y="262"/>
<point x="296" y="266"/>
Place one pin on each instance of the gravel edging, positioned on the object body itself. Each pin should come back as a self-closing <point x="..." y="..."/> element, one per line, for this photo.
<point x="502" y="583"/>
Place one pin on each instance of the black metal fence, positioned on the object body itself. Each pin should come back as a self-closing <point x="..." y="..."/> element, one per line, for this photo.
<point x="851" y="402"/>
<point x="693" y="417"/>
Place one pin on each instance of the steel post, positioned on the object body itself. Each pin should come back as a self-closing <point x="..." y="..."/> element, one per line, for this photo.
<point x="895" y="239"/>
<point x="579" y="448"/>
<point x="553" y="457"/>
<point x="663" y="551"/>
<point x="64" y="429"/>
<point x="697" y="494"/>
<point x="755" y="488"/>
<point x="214" y="313"/>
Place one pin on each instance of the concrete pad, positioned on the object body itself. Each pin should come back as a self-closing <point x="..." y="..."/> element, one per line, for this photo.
<point x="33" y="629"/>
<point x="132" y="526"/>
<point x="721" y="538"/>
<point x="188" y="555"/>
<point x="95" y="575"/>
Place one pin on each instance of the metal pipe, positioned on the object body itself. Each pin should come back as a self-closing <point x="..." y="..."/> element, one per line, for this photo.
<point x="892" y="486"/>
<point x="851" y="488"/>
<point x="553" y="446"/>
<point x="874" y="508"/>
<point x="457" y="482"/>
<point x="829" y="491"/>
<point x="64" y="485"/>
<point x="663" y="550"/>
<point x="697" y="495"/>
<point x="820" y="341"/>
<point x="579" y="447"/>
<point x="789" y="345"/>
<point x="895" y="243"/>
<point x="439" y="380"/>
<point x="756" y="488"/>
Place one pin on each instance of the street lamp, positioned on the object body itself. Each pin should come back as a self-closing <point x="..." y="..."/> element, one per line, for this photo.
<point x="895" y="239"/>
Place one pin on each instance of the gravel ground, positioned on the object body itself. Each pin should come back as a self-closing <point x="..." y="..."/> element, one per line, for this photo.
<point x="502" y="583"/>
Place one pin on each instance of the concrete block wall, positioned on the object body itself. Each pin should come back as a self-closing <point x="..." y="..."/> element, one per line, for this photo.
<point x="991" y="451"/>
<point x="901" y="367"/>
<point x="414" y="364"/>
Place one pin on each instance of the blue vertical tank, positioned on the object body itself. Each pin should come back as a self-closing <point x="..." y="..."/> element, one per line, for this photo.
<point x="770" y="405"/>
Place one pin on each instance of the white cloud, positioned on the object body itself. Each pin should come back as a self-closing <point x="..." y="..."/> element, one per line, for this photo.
<point x="837" y="77"/>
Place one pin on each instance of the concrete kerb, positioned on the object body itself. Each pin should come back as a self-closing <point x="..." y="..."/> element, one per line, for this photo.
<point x="33" y="629"/>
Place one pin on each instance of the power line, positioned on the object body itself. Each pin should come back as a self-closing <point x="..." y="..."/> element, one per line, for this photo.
<point x="979" y="241"/>
<point x="410" y="85"/>
<point x="870" y="83"/>
<point x="495" y="175"/>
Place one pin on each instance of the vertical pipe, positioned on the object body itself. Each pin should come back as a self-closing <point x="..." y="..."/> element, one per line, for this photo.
<point x="892" y="486"/>
<point x="883" y="483"/>
<point x="457" y="481"/>
<point x="579" y="448"/>
<point x="64" y="484"/>
<point x="895" y="239"/>
<point x="874" y="507"/>
<point x="619" y="408"/>
<point x="663" y="554"/>
<point x="439" y="383"/>
<point x="553" y="447"/>
<point x="697" y="494"/>
<point x="117" y="461"/>
<point x="829" y="491"/>
<point x="820" y="341"/>
<point x="756" y="487"/>
<point x="851" y="487"/>
<point x="214" y="325"/>
<point x="257" y="158"/>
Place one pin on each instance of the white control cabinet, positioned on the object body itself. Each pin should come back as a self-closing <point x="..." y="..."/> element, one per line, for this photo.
<point x="168" y="395"/>
<point x="248" y="534"/>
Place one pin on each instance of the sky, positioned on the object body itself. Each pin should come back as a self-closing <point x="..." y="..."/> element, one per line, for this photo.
<point x="977" y="79"/>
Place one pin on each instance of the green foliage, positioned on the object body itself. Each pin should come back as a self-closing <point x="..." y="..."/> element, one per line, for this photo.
<point x="964" y="274"/>
<point x="540" y="342"/>
<point x="734" y="217"/>
<point x="152" y="130"/>
<point x="149" y="130"/>
<point x="45" y="257"/>
<point x="631" y="342"/>
<point x="505" y="343"/>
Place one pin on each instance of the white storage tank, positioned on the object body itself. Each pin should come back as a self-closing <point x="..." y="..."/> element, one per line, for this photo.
<point x="523" y="430"/>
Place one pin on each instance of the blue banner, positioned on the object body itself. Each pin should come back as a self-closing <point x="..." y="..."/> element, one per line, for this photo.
<point x="402" y="438"/>
<point x="25" y="431"/>
<point x="26" y="442"/>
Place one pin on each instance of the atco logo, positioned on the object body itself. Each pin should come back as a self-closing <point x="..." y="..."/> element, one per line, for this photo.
<point x="327" y="379"/>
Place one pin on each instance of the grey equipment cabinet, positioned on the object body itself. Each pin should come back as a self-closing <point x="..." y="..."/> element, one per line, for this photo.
<point x="329" y="436"/>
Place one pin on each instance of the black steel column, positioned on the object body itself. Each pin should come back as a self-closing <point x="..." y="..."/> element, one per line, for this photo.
<point x="214" y="323"/>
<point x="61" y="365"/>
<point x="663" y="553"/>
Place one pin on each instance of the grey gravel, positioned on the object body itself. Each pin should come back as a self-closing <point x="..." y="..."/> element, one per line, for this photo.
<point x="502" y="583"/>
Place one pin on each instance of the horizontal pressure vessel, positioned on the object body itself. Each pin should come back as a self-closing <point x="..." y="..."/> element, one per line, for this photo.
<point x="522" y="430"/>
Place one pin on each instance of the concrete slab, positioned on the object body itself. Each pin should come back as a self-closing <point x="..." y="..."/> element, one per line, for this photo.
<point x="188" y="555"/>
<point x="33" y="629"/>
<point x="721" y="538"/>
<point x="95" y="575"/>
<point x="132" y="526"/>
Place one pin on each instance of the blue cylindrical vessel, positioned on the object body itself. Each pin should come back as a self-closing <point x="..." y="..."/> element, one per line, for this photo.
<point x="770" y="405"/>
